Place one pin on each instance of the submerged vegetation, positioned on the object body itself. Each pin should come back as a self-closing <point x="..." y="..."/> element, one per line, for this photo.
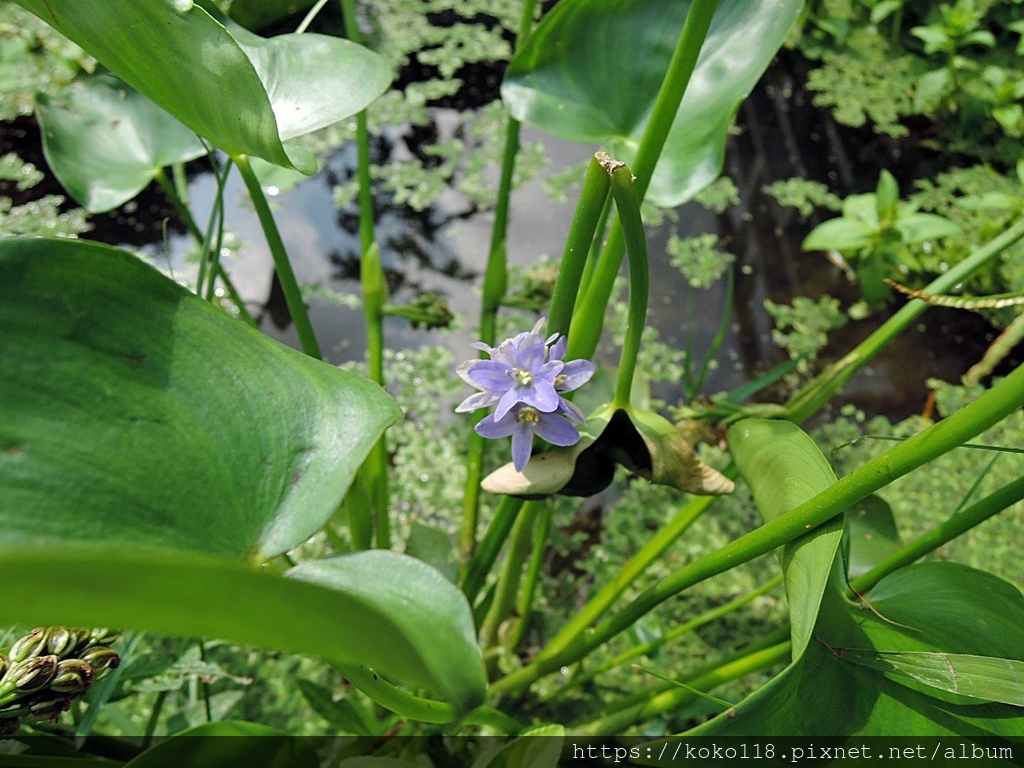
<point x="592" y="541"/>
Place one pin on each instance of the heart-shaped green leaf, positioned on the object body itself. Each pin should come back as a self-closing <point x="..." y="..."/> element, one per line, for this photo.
<point x="246" y="96"/>
<point x="592" y="69"/>
<point x="133" y="412"/>
<point x="105" y="141"/>
<point x="784" y="468"/>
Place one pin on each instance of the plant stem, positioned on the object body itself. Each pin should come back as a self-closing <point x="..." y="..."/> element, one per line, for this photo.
<point x="676" y="632"/>
<point x="639" y="280"/>
<point x="285" y="274"/>
<point x="529" y="590"/>
<point x="1004" y="398"/>
<point x="181" y="206"/>
<point x="508" y="582"/>
<point x="583" y="341"/>
<point x="945" y="532"/>
<point x="416" y="708"/>
<point x="487" y="553"/>
<point x="672" y="696"/>
<point x="589" y="209"/>
<point x="495" y="284"/>
<point x="617" y="584"/>
<point x="374" y="472"/>
<point x="817" y="392"/>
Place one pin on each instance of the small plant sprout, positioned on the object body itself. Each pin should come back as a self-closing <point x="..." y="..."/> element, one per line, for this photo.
<point x="525" y="377"/>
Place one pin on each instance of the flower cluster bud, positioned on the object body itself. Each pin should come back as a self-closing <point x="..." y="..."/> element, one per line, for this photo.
<point x="49" y="668"/>
<point x="33" y="674"/>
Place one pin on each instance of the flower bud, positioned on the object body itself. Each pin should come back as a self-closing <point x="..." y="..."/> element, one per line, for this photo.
<point x="72" y="677"/>
<point x="34" y="674"/>
<point x="61" y="641"/>
<point x="4" y="664"/>
<point x="103" y="636"/>
<point x="99" y="657"/>
<point x="49" y="708"/>
<point x="29" y="646"/>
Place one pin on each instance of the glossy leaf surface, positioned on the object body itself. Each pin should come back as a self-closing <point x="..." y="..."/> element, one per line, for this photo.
<point x="133" y="412"/>
<point x="784" y="468"/>
<point x="355" y="611"/>
<point x="105" y="141"/>
<point x="592" y="69"/>
<point x="941" y="608"/>
<point x="246" y="96"/>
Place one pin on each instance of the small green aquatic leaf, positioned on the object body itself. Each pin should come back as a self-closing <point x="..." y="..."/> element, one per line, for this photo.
<point x="592" y="69"/>
<point x="105" y="142"/>
<point x="784" y="468"/>
<point x="134" y="413"/>
<point x="246" y="96"/>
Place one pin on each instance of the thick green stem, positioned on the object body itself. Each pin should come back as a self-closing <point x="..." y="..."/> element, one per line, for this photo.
<point x="818" y="392"/>
<point x="487" y="553"/>
<point x="1004" y="398"/>
<point x="589" y="210"/>
<point x="508" y="582"/>
<point x="941" y="534"/>
<point x="374" y="472"/>
<point x="285" y="274"/>
<point x="639" y="281"/>
<point x="649" y="647"/>
<point x="585" y="336"/>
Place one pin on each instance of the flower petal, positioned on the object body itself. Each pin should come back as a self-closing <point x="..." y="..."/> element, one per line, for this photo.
<point x="542" y="397"/>
<point x="570" y="410"/>
<point x="522" y="443"/>
<point x="476" y="400"/>
<point x="574" y="374"/>
<point x="557" y="352"/>
<point x="556" y="430"/>
<point x="495" y="429"/>
<point x="489" y="375"/>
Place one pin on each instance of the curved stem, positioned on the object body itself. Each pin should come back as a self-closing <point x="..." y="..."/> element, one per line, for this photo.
<point x="639" y="281"/>
<point x="285" y="274"/>
<point x="420" y="709"/>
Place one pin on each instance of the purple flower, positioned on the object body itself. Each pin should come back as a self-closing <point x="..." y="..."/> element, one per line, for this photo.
<point x="521" y="422"/>
<point x="524" y="378"/>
